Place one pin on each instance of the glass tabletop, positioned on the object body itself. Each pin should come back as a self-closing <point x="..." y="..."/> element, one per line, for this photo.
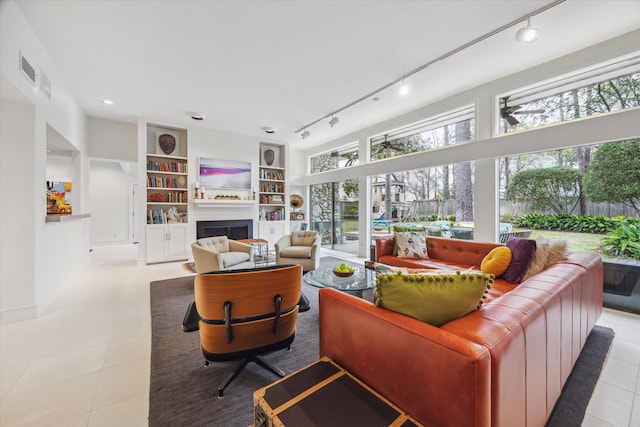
<point x="361" y="279"/>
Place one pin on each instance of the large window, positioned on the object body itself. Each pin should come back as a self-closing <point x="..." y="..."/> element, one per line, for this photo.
<point x="444" y="192"/>
<point x="578" y="194"/>
<point x="339" y="158"/>
<point x="334" y="214"/>
<point x="447" y="129"/>
<point x="599" y="90"/>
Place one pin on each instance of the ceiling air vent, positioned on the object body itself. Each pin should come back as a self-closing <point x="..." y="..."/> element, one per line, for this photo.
<point x="27" y="69"/>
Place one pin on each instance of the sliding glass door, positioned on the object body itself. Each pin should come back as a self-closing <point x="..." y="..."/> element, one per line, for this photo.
<point x="334" y="214"/>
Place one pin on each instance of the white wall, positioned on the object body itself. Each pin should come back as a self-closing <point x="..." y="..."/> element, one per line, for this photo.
<point x="110" y="205"/>
<point x="109" y="139"/>
<point x="112" y="148"/>
<point x="52" y="252"/>
<point x="17" y="242"/>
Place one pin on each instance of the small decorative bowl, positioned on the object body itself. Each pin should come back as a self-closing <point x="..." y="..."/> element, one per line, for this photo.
<point x="343" y="273"/>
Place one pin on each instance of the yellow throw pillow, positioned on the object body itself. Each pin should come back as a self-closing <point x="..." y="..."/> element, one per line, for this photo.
<point x="497" y="261"/>
<point x="432" y="298"/>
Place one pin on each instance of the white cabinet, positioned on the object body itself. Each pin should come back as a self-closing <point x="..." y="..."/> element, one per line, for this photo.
<point x="271" y="231"/>
<point x="166" y="242"/>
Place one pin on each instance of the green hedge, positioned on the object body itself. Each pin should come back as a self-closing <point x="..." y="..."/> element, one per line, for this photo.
<point x="623" y="234"/>
<point x="576" y="223"/>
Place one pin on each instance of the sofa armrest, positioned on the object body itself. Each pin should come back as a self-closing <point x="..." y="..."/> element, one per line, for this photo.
<point x="315" y="249"/>
<point x="384" y="247"/>
<point x="437" y="377"/>
<point x="282" y="243"/>
<point x="206" y="260"/>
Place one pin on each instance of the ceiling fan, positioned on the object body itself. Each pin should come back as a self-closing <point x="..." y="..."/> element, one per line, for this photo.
<point x="387" y="145"/>
<point x="508" y="113"/>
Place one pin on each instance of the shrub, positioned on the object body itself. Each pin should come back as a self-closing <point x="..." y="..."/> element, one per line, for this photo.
<point x="510" y="218"/>
<point x="624" y="241"/>
<point x="576" y="223"/>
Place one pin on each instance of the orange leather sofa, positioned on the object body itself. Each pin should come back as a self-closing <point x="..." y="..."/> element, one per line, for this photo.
<point x="503" y="365"/>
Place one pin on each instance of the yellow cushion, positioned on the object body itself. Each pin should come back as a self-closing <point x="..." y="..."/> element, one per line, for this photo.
<point x="497" y="261"/>
<point x="435" y="298"/>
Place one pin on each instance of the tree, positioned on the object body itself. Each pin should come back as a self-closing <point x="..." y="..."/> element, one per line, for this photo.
<point x="462" y="181"/>
<point x="556" y="188"/>
<point x="614" y="174"/>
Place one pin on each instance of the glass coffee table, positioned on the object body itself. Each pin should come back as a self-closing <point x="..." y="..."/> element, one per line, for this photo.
<point x="361" y="280"/>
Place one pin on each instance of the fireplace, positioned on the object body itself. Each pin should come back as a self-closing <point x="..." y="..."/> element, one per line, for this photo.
<point x="234" y="229"/>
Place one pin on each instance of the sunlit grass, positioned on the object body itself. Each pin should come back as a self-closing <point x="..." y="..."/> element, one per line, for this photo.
<point x="579" y="242"/>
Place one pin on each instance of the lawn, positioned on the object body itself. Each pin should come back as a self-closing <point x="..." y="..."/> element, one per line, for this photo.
<point x="578" y="242"/>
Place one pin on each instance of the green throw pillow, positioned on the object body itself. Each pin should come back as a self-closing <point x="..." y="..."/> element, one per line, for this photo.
<point x="403" y="228"/>
<point x="434" y="298"/>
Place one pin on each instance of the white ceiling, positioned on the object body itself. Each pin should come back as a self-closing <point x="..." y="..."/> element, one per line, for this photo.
<point x="250" y="64"/>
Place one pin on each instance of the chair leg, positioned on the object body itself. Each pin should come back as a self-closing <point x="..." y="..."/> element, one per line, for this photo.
<point x="258" y="360"/>
<point x="232" y="376"/>
<point x="267" y="365"/>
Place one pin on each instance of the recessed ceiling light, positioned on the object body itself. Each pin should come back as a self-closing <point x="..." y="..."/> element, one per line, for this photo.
<point x="268" y="129"/>
<point x="197" y="116"/>
<point x="107" y="101"/>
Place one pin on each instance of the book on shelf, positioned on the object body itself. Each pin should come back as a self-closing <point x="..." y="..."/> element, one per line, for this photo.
<point x="160" y="216"/>
<point x="158" y="166"/>
<point x="271" y="175"/>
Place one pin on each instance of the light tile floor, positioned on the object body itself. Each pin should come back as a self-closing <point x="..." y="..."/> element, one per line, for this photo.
<point x="85" y="361"/>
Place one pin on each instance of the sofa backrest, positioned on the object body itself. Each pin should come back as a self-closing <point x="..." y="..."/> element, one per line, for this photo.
<point x="453" y="250"/>
<point x="218" y="243"/>
<point x="303" y="238"/>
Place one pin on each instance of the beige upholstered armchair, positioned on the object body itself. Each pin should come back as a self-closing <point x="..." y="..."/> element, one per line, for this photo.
<point x="299" y="247"/>
<point x="220" y="253"/>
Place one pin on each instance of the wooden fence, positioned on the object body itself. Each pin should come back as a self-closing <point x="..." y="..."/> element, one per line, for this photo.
<point x="423" y="208"/>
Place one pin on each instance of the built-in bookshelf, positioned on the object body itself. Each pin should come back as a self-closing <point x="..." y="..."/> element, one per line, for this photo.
<point x="167" y="194"/>
<point x="167" y="172"/>
<point x="272" y="183"/>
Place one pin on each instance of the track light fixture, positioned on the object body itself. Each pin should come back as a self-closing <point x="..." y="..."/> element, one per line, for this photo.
<point x="305" y="134"/>
<point x="404" y="89"/>
<point x="527" y="34"/>
<point x="334" y="121"/>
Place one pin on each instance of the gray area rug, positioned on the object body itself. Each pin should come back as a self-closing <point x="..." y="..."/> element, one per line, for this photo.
<point x="184" y="392"/>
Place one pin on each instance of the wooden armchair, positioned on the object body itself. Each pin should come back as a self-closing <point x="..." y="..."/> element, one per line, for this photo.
<point x="247" y="313"/>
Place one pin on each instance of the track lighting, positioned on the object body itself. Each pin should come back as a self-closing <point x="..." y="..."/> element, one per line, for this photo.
<point x="527" y="34"/>
<point x="404" y="88"/>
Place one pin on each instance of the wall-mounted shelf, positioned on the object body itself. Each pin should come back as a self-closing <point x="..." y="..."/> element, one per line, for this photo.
<point x="205" y="202"/>
<point x="66" y="218"/>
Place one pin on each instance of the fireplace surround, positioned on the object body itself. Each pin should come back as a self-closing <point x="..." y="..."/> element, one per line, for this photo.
<point x="234" y="229"/>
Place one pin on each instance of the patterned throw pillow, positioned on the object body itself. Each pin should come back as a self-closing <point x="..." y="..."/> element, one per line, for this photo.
<point x="412" y="244"/>
<point x="401" y="228"/>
